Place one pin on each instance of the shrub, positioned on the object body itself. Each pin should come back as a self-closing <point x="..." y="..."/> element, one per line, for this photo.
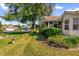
<point x="41" y="38"/>
<point x="68" y="42"/>
<point x="77" y="39"/>
<point x="56" y="31"/>
<point x="50" y="31"/>
<point x="57" y="40"/>
<point x="34" y="33"/>
<point x="42" y="26"/>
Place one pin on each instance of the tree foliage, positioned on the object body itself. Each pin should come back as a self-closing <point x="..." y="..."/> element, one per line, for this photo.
<point x="26" y="11"/>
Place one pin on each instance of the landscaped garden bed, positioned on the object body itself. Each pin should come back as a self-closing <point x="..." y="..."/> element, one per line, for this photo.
<point x="54" y="38"/>
<point x="61" y="41"/>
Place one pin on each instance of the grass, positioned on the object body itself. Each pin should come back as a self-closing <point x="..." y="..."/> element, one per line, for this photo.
<point x="27" y="45"/>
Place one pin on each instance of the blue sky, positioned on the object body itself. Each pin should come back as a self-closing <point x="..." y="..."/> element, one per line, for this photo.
<point x="58" y="10"/>
<point x="61" y="7"/>
<point x="3" y="10"/>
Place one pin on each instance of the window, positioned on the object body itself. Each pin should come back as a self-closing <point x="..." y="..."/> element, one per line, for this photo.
<point x="75" y="23"/>
<point x="55" y="24"/>
<point x="51" y="22"/>
<point x="66" y="25"/>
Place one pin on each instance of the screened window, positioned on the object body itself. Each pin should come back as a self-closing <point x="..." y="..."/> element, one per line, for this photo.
<point x="75" y="23"/>
<point x="66" y="25"/>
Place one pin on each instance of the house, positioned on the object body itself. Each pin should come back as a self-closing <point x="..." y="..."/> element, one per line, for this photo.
<point x="10" y="28"/>
<point x="52" y="21"/>
<point x="68" y="22"/>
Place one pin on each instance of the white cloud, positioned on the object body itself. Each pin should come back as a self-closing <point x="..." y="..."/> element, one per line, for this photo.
<point x="59" y="7"/>
<point x="70" y="10"/>
<point x="75" y="9"/>
<point x="3" y="6"/>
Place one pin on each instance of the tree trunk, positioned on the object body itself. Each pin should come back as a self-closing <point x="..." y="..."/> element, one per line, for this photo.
<point x="33" y="26"/>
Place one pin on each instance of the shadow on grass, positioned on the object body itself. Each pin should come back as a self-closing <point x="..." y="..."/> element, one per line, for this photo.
<point x="34" y="33"/>
<point x="14" y="33"/>
<point x="39" y="36"/>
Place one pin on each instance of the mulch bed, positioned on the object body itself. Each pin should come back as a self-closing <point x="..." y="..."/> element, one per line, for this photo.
<point x="54" y="45"/>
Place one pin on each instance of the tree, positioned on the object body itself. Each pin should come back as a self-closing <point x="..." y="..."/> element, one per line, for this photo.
<point x="31" y="12"/>
<point x="0" y="27"/>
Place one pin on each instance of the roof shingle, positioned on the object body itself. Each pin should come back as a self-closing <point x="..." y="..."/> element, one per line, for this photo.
<point x="51" y="18"/>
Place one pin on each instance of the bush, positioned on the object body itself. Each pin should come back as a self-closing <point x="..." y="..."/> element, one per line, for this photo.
<point x="57" y="40"/>
<point x="50" y="31"/>
<point x="77" y="39"/>
<point x="62" y="41"/>
<point x="41" y="38"/>
<point x="56" y="31"/>
<point x="72" y="41"/>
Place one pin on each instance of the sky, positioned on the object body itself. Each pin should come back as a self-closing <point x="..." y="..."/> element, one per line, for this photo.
<point x="59" y="9"/>
<point x="3" y="10"/>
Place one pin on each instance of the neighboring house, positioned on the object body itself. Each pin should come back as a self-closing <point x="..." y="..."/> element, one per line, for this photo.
<point x="10" y="28"/>
<point x="68" y="22"/>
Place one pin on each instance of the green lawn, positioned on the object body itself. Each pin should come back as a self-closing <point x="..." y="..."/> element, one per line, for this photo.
<point x="27" y="45"/>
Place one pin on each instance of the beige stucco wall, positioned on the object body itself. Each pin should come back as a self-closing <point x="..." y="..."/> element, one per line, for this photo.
<point x="70" y="32"/>
<point x="73" y="32"/>
<point x="65" y="17"/>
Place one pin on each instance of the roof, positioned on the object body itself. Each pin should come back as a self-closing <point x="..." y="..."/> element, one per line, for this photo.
<point x="71" y="12"/>
<point x="51" y="18"/>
